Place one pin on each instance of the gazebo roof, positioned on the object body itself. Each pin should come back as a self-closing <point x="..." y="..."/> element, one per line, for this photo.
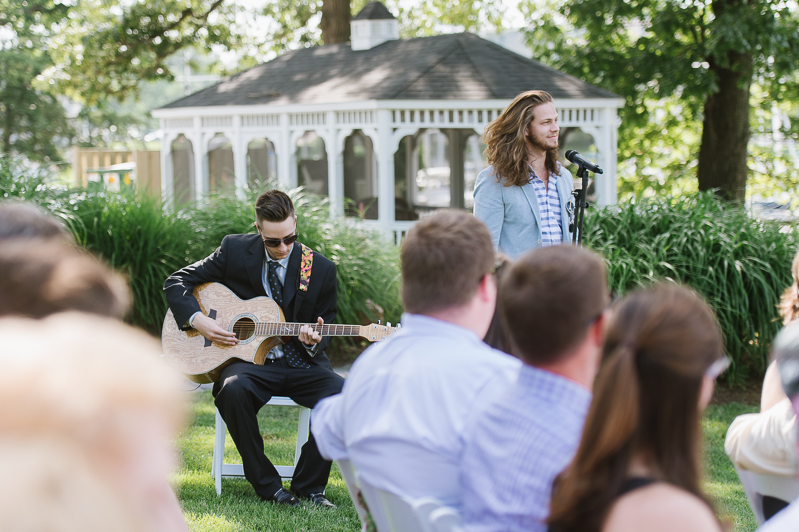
<point x="374" y="11"/>
<point x="458" y="66"/>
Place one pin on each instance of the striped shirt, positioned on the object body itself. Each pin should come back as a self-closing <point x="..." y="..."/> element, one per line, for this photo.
<point x="516" y="448"/>
<point x="549" y="208"/>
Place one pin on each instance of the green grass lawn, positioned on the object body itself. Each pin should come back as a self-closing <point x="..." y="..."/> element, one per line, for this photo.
<point x="240" y="509"/>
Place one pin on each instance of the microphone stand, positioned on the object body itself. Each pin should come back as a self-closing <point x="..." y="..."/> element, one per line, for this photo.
<point x="580" y="204"/>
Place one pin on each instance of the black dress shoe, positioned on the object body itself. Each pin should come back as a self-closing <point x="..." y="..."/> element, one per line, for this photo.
<point x="282" y="496"/>
<point x="319" y="499"/>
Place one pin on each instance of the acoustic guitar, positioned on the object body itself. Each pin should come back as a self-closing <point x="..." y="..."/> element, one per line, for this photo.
<point x="258" y="324"/>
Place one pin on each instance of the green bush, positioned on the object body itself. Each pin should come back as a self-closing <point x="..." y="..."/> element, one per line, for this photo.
<point x="740" y="265"/>
<point x="147" y="242"/>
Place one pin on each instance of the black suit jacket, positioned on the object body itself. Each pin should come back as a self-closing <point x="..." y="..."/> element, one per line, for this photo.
<point x="238" y="264"/>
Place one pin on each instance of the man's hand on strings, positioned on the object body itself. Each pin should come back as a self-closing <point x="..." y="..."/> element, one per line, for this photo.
<point x="213" y="331"/>
<point x="310" y="337"/>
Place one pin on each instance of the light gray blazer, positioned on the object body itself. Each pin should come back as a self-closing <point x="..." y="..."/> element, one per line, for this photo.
<point x="511" y="213"/>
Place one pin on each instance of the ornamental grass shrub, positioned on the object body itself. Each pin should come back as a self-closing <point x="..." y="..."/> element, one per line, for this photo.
<point x="739" y="265"/>
<point x="147" y="242"/>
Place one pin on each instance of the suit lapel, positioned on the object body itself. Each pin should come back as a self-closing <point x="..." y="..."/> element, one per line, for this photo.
<point x="254" y="264"/>
<point x="292" y="271"/>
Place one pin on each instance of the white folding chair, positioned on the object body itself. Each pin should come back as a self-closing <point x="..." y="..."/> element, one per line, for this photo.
<point x="220" y="469"/>
<point x="445" y="519"/>
<point x="351" y="481"/>
<point x="756" y="486"/>
<point x="392" y="513"/>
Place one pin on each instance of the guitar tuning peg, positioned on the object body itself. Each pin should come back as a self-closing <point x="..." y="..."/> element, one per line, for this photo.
<point x="388" y="324"/>
<point x="399" y="326"/>
<point x="379" y="322"/>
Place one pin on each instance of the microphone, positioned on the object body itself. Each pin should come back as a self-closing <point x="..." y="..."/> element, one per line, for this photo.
<point x="576" y="158"/>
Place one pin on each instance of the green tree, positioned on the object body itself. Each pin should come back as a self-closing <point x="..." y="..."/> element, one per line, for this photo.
<point x="32" y="120"/>
<point x="702" y="55"/>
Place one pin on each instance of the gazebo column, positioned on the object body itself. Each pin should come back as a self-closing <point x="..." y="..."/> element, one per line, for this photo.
<point x="283" y="149"/>
<point x="385" y="172"/>
<point x="605" y="140"/>
<point x="167" y="168"/>
<point x="335" y="171"/>
<point x="457" y="140"/>
<point x="239" y="158"/>
<point x="200" y="160"/>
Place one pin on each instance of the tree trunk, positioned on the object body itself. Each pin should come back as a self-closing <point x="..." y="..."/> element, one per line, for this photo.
<point x="725" y="131"/>
<point x="335" y="24"/>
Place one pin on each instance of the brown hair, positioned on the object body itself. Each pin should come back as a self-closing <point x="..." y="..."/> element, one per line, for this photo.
<point x="506" y="140"/>
<point x="45" y="276"/>
<point x="789" y="304"/>
<point x="273" y="206"/>
<point x="548" y="299"/>
<point x="496" y="336"/>
<point x="444" y="257"/>
<point x="24" y="220"/>
<point x="659" y="343"/>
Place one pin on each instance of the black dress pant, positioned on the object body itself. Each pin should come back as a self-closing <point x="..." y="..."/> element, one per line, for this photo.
<point x="239" y="394"/>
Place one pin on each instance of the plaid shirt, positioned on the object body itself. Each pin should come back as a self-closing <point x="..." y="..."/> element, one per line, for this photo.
<point x="549" y="208"/>
<point x="516" y="448"/>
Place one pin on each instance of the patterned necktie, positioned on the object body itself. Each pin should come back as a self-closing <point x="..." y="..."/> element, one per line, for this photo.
<point x="289" y="349"/>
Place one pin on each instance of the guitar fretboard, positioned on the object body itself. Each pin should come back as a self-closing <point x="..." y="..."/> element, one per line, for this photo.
<point x="293" y="329"/>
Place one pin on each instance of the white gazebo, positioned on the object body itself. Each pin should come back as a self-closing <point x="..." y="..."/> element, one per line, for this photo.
<point x="392" y="125"/>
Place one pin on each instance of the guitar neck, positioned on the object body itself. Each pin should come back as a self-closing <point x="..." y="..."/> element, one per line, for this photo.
<point x="293" y="329"/>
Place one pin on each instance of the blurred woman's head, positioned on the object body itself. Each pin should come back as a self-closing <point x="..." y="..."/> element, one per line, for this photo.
<point x="789" y="304"/>
<point x="661" y="349"/>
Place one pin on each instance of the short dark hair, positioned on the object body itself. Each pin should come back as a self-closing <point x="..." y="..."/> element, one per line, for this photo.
<point x="444" y="257"/>
<point x="25" y="220"/>
<point x="273" y="206"/>
<point x="548" y="299"/>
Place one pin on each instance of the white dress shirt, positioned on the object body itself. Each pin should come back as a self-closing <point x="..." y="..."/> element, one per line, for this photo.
<point x="401" y="416"/>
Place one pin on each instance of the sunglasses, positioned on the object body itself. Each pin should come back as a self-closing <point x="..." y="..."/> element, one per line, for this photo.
<point x="275" y="242"/>
<point x="718" y="367"/>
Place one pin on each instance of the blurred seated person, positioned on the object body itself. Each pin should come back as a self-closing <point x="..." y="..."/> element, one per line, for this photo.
<point x="516" y="447"/>
<point x="765" y="442"/>
<point x="638" y="464"/>
<point x="786" y="355"/>
<point x="88" y="393"/>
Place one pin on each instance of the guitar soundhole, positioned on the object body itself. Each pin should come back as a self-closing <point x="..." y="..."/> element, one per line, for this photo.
<point x="244" y="328"/>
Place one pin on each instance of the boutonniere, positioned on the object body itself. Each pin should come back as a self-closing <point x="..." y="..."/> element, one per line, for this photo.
<point x="305" y="267"/>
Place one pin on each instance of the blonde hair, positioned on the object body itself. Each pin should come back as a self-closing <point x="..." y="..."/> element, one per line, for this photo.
<point x="97" y="388"/>
<point x="789" y="304"/>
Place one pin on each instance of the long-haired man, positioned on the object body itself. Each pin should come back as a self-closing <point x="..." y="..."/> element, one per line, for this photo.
<point x="522" y="196"/>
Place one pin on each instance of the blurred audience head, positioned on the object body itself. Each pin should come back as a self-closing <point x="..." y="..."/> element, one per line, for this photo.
<point x="45" y="276"/>
<point x="548" y="300"/>
<point x="25" y="220"/>
<point x="789" y="304"/>
<point x="89" y="393"/>
<point x="663" y="349"/>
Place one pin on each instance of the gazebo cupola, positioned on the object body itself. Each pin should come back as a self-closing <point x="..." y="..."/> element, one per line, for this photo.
<point x="373" y="26"/>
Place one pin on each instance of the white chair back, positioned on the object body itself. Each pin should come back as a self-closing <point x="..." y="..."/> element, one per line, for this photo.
<point x="351" y="480"/>
<point x="393" y="513"/>
<point x="757" y="485"/>
<point x="445" y="519"/>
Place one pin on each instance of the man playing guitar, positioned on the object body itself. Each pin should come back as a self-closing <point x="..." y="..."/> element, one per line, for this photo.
<point x="303" y="283"/>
